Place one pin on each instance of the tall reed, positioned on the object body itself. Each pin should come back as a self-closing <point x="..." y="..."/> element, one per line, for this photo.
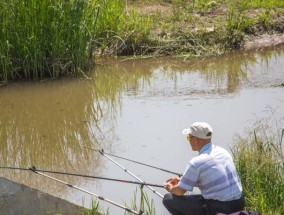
<point x="146" y="205"/>
<point x="50" y="38"/>
<point x="260" y="161"/>
<point x="45" y="38"/>
<point x="94" y="210"/>
<point x="120" y="30"/>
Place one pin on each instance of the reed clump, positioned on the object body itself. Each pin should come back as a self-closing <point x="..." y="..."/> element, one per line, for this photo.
<point x="47" y="38"/>
<point x="143" y="203"/>
<point x="259" y="158"/>
<point x="94" y="210"/>
<point x="120" y="30"/>
<point x="51" y="38"/>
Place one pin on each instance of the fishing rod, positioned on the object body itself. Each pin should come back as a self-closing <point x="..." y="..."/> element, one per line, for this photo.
<point x="154" y="191"/>
<point x="85" y="176"/>
<point x="137" y="162"/>
<point x="33" y="169"/>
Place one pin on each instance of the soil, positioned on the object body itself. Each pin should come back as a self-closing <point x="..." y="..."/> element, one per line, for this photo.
<point x="263" y="41"/>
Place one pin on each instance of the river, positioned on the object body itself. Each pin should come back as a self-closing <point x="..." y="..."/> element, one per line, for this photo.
<point x="135" y="109"/>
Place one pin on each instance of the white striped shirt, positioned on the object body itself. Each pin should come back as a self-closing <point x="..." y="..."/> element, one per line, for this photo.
<point x="214" y="173"/>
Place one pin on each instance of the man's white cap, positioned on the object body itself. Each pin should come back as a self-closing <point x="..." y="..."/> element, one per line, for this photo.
<point x="201" y="130"/>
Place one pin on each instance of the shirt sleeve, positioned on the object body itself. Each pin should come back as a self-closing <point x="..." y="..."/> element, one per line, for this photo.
<point x="189" y="179"/>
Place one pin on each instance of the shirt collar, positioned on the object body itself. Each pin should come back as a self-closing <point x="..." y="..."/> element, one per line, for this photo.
<point x="205" y="148"/>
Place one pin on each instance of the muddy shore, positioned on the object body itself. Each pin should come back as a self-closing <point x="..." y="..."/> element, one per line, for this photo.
<point x="263" y="41"/>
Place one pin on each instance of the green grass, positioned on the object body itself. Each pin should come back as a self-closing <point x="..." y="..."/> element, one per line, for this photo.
<point x="259" y="157"/>
<point x="95" y="210"/>
<point x="46" y="38"/>
<point x="206" y="27"/>
<point x="144" y="203"/>
<point x="262" y="4"/>
<point x="52" y="38"/>
<point x="120" y="31"/>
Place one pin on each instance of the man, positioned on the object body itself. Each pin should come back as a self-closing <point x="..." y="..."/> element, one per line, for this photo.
<point x="212" y="171"/>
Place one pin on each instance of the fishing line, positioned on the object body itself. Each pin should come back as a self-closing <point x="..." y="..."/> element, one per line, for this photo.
<point x="133" y="175"/>
<point x="84" y="176"/>
<point x="137" y="162"/>
<point x="33" y="169"/>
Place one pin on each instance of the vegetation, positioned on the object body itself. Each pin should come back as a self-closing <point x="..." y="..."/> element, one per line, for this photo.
<point x="47" y="38"/>
<point x="206" y="27"/>
<point x="260" y="161"/>
<point x="51" y="38"/>
<point x="95" y="210"/>
<point x="145" y="205"/>
<point x="120" y="31"/>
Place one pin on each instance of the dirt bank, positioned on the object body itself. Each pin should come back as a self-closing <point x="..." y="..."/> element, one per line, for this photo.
<point x="267" y="29"/>
<point x="263" y="41"/>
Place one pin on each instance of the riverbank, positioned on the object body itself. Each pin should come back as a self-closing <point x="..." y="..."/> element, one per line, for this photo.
<point x="52" y="46"/>
<point x="263" y="41"/>
<point x="211" y="27"/>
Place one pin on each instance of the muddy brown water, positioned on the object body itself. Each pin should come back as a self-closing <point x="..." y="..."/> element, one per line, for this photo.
<point x="135" y="109"/>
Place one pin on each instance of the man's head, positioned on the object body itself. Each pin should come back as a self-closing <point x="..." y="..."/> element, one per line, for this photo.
<point x="198" y="134"/>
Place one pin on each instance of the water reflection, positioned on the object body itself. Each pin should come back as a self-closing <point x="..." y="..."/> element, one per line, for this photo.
<point x="45" y="124"/>
<point x="220" y="75"/>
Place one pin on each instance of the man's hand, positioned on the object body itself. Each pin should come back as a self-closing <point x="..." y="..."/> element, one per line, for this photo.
<point x="173" y="180"/>
<point x="170" y="183"/>
<point x="171" y="186"/>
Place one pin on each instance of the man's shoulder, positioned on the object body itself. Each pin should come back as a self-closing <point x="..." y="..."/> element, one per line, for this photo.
<point x="200" y="159"/>
<point x="216" y="147"/>
<point x="220" y="149"/>
<point x="210" y="155"/>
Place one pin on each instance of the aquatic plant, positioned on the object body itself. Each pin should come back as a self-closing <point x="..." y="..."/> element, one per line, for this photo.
<point x="46" y="38"/>
<point x="94" y="210"/>
<point x="259" y="157"/>
<point x="52" y="38"/>
<point x="144" y="203"/>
